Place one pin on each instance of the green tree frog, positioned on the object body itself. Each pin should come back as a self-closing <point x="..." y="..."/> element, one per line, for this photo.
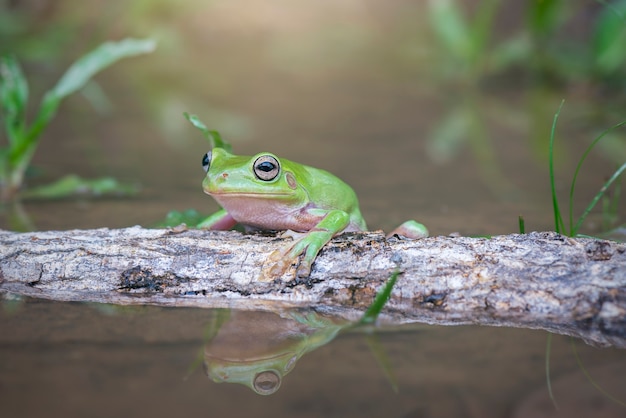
<point x="265" y="192"/>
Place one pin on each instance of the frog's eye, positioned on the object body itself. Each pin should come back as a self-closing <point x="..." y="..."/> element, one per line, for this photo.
<point x="266" y="382"/>
<point x="206" y="161"/>
<point x="266" y="168"/>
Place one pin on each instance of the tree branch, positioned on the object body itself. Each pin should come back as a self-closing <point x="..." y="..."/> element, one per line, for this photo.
<point x="540" y="280"/>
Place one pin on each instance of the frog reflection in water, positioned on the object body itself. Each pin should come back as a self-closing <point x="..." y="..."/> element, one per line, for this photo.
<point x="267" y="193"/>
<point x="258" y="349"/>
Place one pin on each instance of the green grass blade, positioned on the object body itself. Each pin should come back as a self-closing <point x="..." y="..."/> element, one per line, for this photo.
<point x="573" y="229"/>
<point x="558" y="220"/>
<point x="611" y="205"/>
<point x="548" y="380"/>
<point x="590" y="379"/>
<point x="13" y="97"/>
<point x="214" y="137"/>
<point x="597" y="197"/>
<point x="369" y="317"/>
<point x="522" y="224"/>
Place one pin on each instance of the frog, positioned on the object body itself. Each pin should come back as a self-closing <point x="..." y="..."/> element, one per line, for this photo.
<point x="265" y="192"/>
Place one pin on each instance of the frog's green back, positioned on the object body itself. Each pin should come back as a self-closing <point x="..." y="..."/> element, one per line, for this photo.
<point x="327" y="191"/>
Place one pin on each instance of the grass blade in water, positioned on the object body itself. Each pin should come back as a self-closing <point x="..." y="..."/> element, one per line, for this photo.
<point x="369" y="317"/>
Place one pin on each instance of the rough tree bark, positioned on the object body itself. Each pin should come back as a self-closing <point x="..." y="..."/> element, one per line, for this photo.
<point x="540" y="280"/>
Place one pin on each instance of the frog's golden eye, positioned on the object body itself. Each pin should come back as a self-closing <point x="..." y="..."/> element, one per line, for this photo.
<point x="206" y="161"/>
<point x="266" y="168"/>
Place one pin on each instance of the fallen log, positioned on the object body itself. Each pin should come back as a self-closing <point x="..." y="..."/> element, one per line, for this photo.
<point x="540" y="280"/>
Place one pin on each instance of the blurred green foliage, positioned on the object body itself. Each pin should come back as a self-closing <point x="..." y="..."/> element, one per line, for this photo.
<point x="609" y="40"/>
<point x="547" y="44"/>
<point x="465" y="41"/>
<point x="73" y="185"/>
<point x="189" y="217"/>
<point x="554" y="43"/>
<point x="23" y="138"/>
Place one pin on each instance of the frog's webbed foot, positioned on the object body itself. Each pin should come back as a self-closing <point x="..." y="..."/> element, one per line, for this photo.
<point x="410" y="229"/>
<point x="276" y="265"/>
<point x="280" y="261"/>
<point x="305" y="247"/>
<point x="301" y="254"/>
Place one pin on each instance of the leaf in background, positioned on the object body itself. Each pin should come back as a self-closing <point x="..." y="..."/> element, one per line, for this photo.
<point x="449" y="135"/>
<point x="13" y="96"/>
<point x="80" y="73"/>
<point x="507" y="53"/>
<point x="106" y="54"/>
<point x="215" y="139"/>
<point x="96" y="96"/>
<point x="190" y="217"/>
<point x="447" y="20"/>
<point x="609" y="37"/>
<point x="72" y="185"/>
<point x="544" y="16"/>
<point x="482" y="28"/>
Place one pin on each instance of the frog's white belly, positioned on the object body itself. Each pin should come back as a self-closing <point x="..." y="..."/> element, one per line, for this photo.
<point x="272" y="214"/>
<point x="267" y="213"/>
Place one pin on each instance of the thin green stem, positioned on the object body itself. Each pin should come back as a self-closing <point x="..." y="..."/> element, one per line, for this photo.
<point x="548" y="380"/>
<point x="573" y="229"/>
<point x="597" y="197"/>
<point x="558" y="220"/>
<point x="590" y="379"/>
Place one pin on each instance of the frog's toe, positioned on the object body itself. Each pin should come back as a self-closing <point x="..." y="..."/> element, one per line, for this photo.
<point x="275" y="256"/>
<point x="410" y="229"/>
<point x="273" y="271"/>
<point x="279" y="268"/>
<point x="288" y="233"/>
<point x="279" y="262"/>
<point x="276" y="266"/>
<point x="304" y="269"/>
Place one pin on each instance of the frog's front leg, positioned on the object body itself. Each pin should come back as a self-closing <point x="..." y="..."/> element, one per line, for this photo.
<point x="309" y="245"/>
<point x="219" y="221"/>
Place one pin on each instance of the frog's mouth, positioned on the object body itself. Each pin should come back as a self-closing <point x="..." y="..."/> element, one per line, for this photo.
<point x="246" y="194"/>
